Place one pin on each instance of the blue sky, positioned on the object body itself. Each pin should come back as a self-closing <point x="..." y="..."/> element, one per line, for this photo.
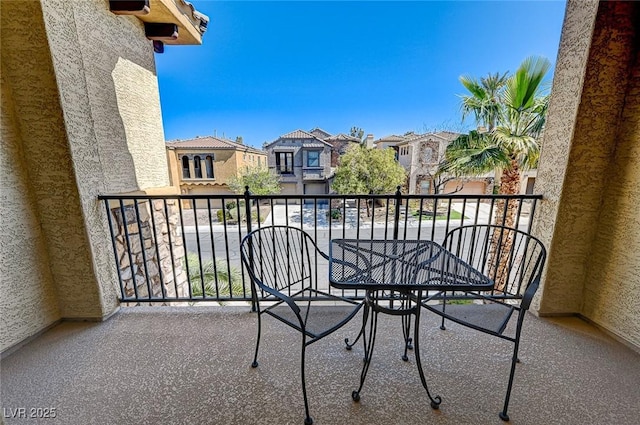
<point x="267" y="68"/>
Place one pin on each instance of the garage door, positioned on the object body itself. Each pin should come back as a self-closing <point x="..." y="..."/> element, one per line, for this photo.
<point x="468" y="188"/>
<point x="315" y="189"/>
<point x="288" y="189"/>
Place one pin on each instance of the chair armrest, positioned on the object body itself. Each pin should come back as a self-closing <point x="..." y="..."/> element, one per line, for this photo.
<point x="283" y="297"/>
<point x="529" y="293"/>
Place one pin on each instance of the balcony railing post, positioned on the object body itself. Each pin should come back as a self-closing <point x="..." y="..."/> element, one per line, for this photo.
<point x="247" y="211"/>
<point x="396" y="213"/>
<point x="247" y="207"/>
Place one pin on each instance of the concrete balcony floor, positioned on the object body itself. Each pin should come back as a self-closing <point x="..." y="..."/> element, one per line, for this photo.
<point x="169" y="365"/>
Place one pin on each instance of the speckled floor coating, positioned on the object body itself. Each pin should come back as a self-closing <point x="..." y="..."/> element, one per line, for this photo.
<point x="162" y="365"/>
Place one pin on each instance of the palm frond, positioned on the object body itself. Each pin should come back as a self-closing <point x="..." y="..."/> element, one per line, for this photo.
<point x="218" y="279"/>
<point x="473" y="154"/>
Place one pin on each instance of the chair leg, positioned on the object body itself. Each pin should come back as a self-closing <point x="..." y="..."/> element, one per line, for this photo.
<point x="406" y="331"/>
<point x="365" y="315"/>
<point x="308" y="420"/>
<point x="368" y="352"/>
<point x="435" y="401"/>
<point x="255" y="356"/>
<point x="503" y="415"/>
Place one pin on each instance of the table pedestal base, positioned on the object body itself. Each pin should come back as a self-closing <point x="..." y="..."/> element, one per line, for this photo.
<point x="408" y="306"/>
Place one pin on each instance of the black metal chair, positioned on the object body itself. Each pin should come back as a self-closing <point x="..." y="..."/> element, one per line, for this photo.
<point x="282" y="263"/>
<point x="514" y="260"/>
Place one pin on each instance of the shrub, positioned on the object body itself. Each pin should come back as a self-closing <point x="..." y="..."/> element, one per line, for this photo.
<point x="220" y="215"/>
<point x="335" y="214"/>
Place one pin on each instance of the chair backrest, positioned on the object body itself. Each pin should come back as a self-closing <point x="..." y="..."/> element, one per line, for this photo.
<point x="512" y="258"/>
<point x="281" y="258"/>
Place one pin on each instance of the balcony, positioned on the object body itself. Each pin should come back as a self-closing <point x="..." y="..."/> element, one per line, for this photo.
<point x="313" y="174"/>
<point x="192" y="365"/>
<point x="62" y="262"/>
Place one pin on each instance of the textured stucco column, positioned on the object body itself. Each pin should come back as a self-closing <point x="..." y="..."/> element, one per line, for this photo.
<point x="81" y="117"/>
<point x="591" y="118"/>
<point x="105" y="72"/>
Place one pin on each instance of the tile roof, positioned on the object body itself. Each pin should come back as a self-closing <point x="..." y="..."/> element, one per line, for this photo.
<point x="392" y="138"/>
<point x="300" y="134"/>
<point x="438" y="136"/>
<point x="318" y="144"/>
<point x="320" y="133"/>
<point x="342" y="137"/>
<point x="211" y="142"/>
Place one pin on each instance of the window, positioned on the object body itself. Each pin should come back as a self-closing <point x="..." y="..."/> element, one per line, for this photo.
<point x="425" y="186"/>
<point x="197" y="167"/>
<point x="284" y="162"/>
<point x="208" y="162"/>
<point x="428" y="155"/>
<point x="313" y="159"/>
<point x="259" y="161"/>
<point x="186" y="173"/>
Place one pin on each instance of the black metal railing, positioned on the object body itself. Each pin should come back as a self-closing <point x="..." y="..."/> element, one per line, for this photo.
<point x="186" y="248"/>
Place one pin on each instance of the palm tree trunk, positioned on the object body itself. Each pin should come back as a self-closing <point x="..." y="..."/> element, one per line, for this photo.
<point x="502" y="242"/>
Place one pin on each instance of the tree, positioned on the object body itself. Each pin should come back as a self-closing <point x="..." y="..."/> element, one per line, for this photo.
<point x="357" y="132"/>
<point x="363" y="170"/>
<point x="239" y="140"/>
<point x="513" y="114"/>
<point x="260" y="180"/>
<point x="484" y="99"/>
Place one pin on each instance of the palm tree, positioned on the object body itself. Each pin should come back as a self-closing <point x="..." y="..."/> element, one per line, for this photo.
<point x="217" y="279"/>
<point x="513" y="113"/>
<point x="512" y="110"/>
<point x="484" y="99"/>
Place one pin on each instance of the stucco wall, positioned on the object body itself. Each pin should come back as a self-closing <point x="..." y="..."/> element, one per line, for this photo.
<point x="589" y="171"/>
<point x="612" y="287"/>
<point x="87" y="121"/>
<point x="105" y="72"/>
<point x="27" y="295"/>
<point x="558" y="221"/>
<point x="28" y="71"/>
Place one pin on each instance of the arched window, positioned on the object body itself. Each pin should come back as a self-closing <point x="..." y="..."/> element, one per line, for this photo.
<point x="186" y="173"/>
<point x="208" y="162"/>
<point x="197" y="167"/>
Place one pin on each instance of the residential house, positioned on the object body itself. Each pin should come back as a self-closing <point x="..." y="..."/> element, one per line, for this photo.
<point x="390" y="141"/>
<point x="303" y="162"/>
<point x="204" y="165"/>
<point x="340" y="144"/>
<point x="421" y="154"/>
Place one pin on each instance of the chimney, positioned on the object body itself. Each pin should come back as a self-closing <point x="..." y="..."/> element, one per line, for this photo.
<point x="369" y="141"/>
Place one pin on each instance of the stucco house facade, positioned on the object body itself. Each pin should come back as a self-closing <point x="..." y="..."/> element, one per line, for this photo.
<point x="420" y="155"/>
<point x="204" y="165"/>
<point x="303" y="162"/>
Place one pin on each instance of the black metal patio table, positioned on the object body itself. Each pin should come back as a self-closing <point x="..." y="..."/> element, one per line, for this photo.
<point x="396" y="275"/>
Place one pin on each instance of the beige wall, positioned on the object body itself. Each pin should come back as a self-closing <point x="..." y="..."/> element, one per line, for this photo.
<point x="226" y="164"/>
<point x="612" y="286"/>
<point x="87" y="121"/>
<point x="28" y="300"/>
<point x="588" y="172"/>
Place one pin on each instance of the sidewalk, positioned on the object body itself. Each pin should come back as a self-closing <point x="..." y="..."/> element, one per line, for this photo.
<point x="291" y="215"/>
